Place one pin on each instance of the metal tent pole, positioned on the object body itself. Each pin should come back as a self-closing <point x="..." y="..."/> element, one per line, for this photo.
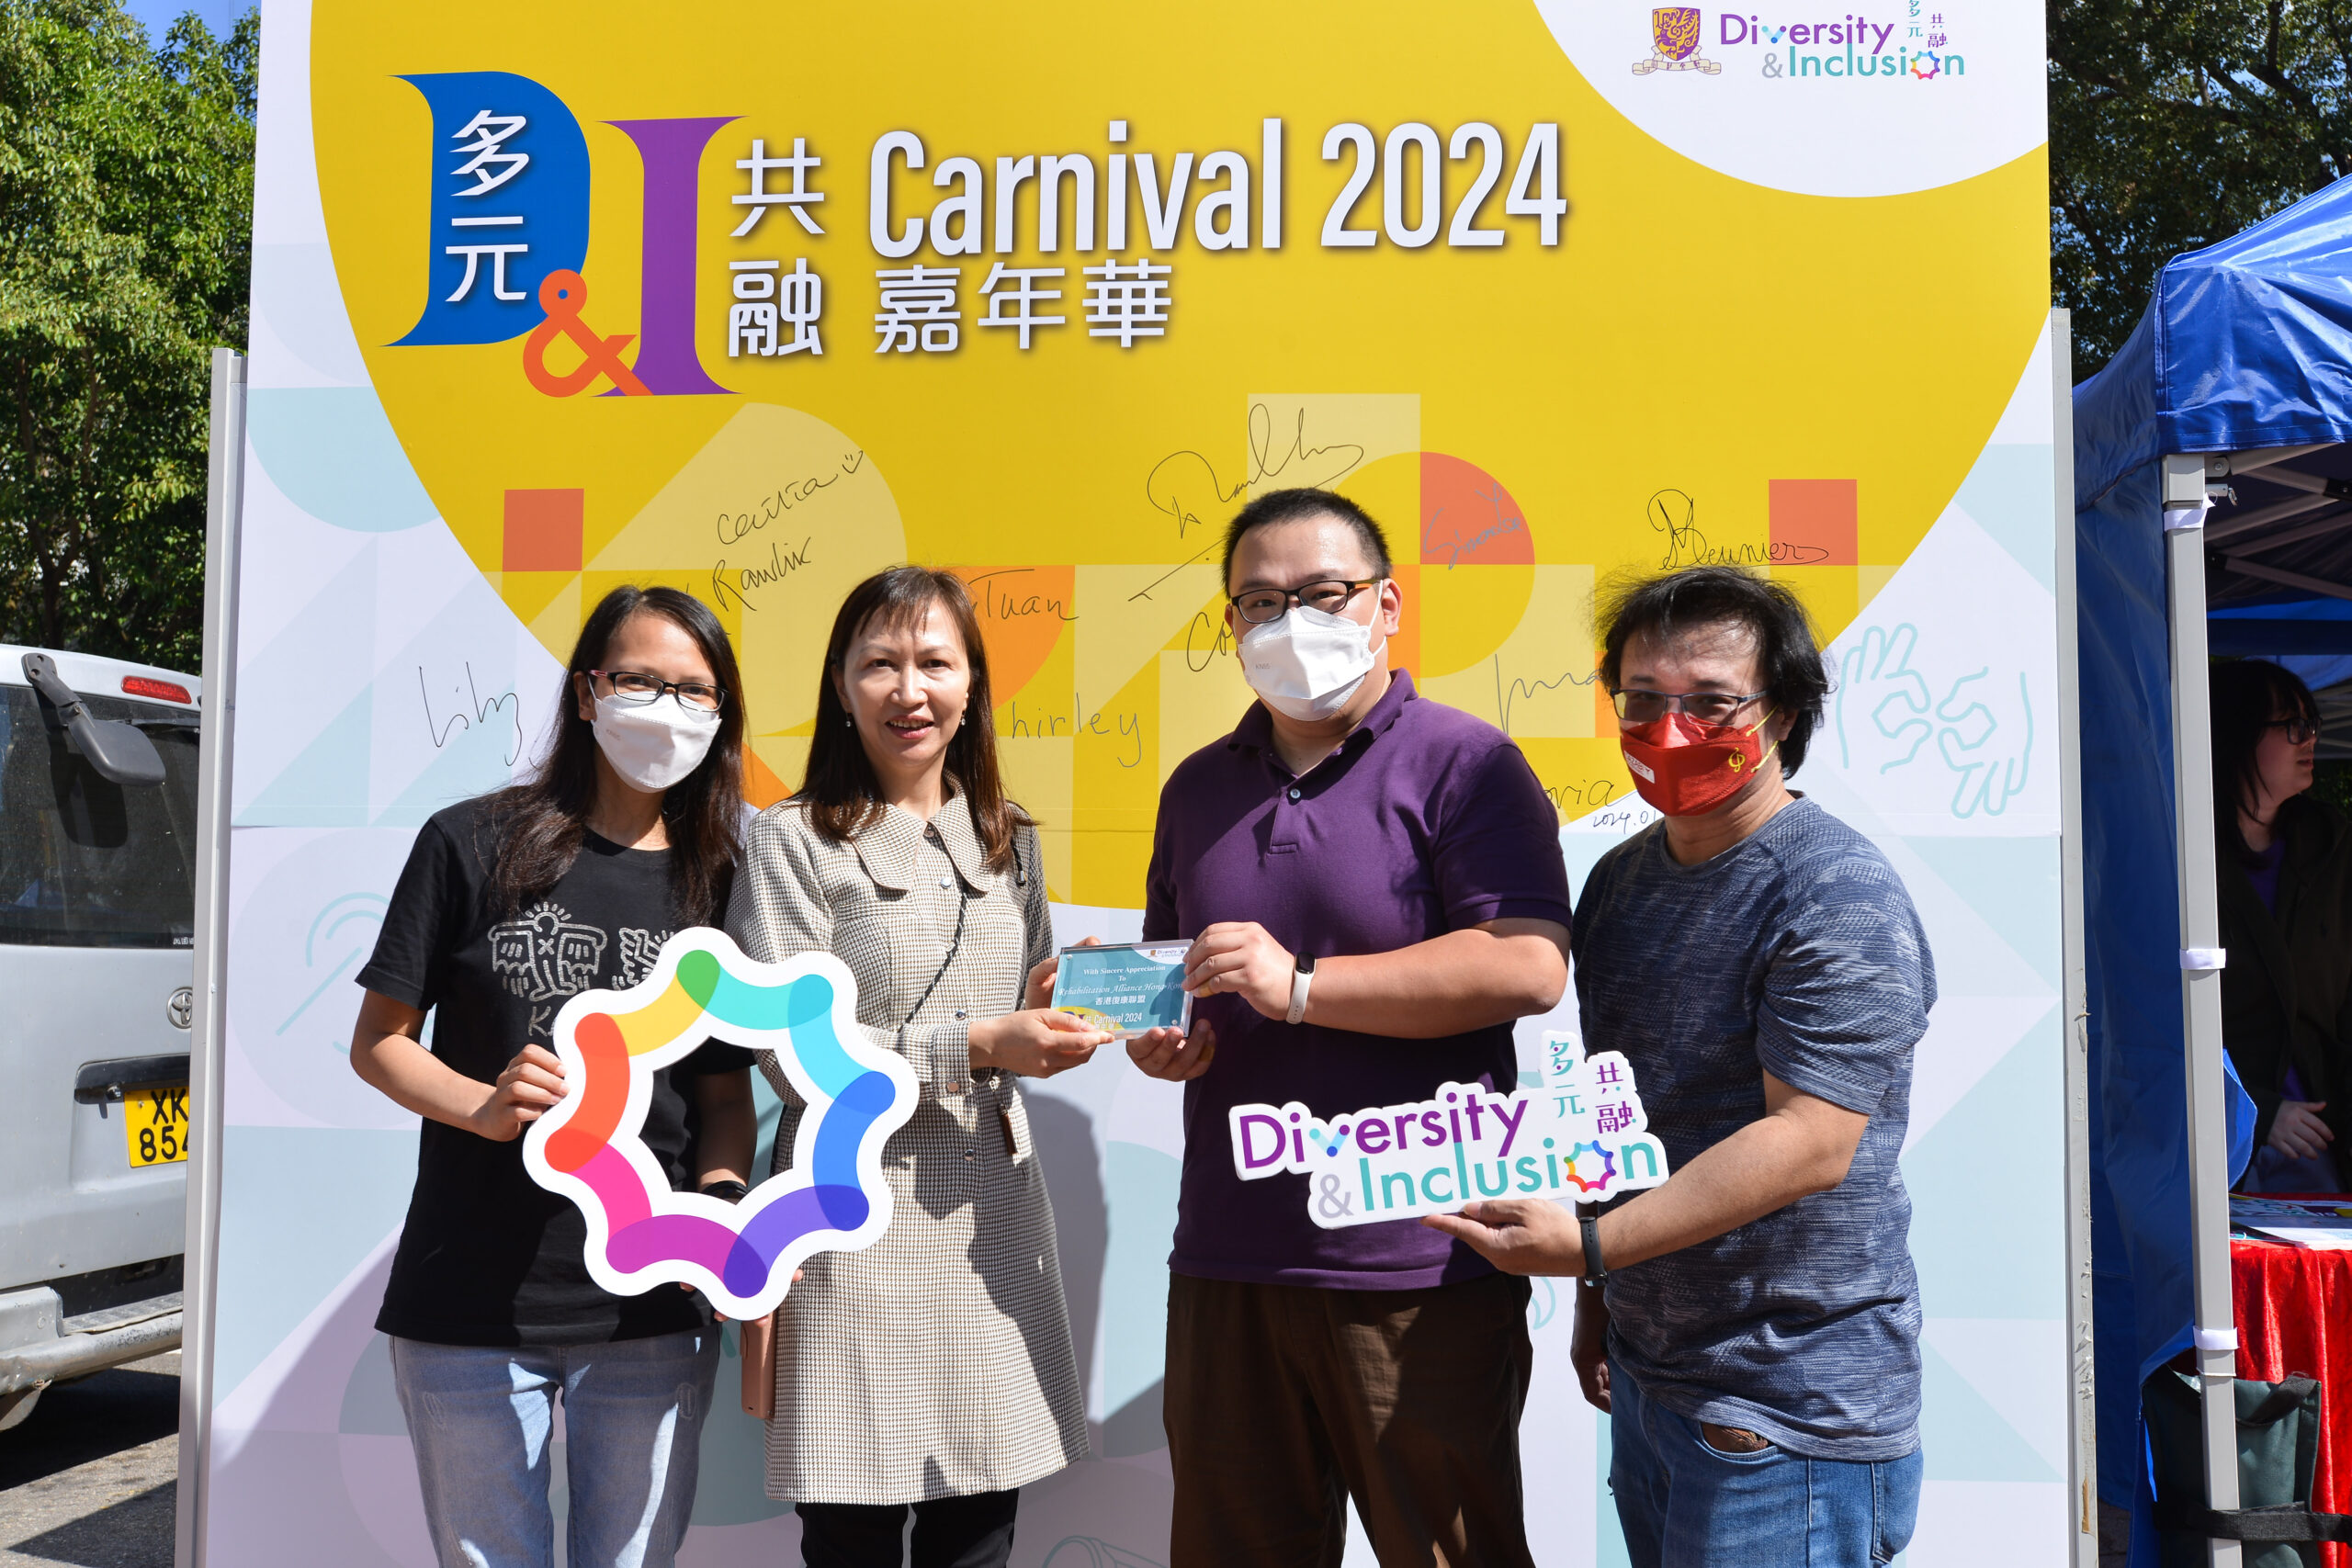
<point x="2200" y="990"/>
<point x="224" y="508"/>
<point x="2082" y="1408"/>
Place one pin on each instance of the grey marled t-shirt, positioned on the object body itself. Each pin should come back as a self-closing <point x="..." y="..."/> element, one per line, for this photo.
<point x="1796" y="953"/>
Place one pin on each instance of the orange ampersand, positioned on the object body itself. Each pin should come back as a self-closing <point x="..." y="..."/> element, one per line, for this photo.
<point x="561" y="296"/>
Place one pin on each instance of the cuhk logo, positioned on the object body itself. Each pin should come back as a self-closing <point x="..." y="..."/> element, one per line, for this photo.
<point x="1674" y="42"/>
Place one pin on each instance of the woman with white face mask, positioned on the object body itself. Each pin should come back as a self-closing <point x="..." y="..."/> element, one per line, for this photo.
<point x="626" y="832"/>
<point x="932" y="1370"/>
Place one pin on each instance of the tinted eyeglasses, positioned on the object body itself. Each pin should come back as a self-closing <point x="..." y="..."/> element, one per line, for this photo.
<point x="1707" y="707"/>
<point x="1258" y="606"/>
<point x="2298" y="728"/>
<point x="628" y="686"/>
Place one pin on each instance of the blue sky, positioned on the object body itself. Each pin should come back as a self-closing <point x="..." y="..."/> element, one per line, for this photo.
<point x="159" y="15"/>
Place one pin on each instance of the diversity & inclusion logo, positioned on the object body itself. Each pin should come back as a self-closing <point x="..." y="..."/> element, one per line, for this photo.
<point x="1915" y="47"/>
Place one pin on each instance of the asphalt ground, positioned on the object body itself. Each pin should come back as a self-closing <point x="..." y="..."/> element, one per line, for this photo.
<point x="91" y="1476"/>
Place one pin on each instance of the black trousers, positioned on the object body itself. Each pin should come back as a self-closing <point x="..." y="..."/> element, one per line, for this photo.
<point x="950" y="1532"/>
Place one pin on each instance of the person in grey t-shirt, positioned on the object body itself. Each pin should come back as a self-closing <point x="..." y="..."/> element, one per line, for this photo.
<point x="1759" y="964"/>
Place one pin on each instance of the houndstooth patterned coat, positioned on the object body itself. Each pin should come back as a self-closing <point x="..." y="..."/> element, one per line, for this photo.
<point x="936" y="1363"/>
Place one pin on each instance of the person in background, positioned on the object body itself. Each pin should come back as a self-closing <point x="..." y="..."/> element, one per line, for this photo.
<point x="2284" y="863"/>
<point x="1752" y="1326"/>
<point x="932" y="1370"/>
<point x="509" y="904"/>
<point x="1374" y="889"/>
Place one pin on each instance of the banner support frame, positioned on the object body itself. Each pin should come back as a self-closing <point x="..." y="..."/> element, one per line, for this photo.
<point x="2185" y="503"/>
<point x="2082" y="1385"/>
<point x="223" y="529"/>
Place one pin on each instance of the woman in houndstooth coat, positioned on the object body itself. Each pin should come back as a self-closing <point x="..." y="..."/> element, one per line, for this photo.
<point x="933" y="1369"/>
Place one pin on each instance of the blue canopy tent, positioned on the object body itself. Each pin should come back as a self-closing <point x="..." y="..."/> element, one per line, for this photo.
<point x="2213" y="513"/>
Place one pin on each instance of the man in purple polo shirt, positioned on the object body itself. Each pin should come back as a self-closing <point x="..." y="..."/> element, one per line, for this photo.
<point x="1374" y="889"/>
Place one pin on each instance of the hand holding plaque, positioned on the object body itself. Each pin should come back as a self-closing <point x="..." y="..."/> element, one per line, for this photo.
<point x="1127" y="988"/>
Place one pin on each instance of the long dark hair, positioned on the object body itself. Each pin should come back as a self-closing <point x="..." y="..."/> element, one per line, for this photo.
<point x="540" y="823"/>
<point x="2247" y="695"/>
<point x="841" y="792"/>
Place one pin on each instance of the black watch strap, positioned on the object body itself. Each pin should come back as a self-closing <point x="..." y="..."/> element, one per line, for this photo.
<point x="1595" y="1272"/>
<point x="727" y="1191"/>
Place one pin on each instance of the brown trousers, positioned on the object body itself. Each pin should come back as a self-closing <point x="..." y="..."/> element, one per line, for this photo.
<point x="1282" y="1402"/>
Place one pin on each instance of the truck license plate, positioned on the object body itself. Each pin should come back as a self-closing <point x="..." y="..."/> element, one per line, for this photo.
<point x="154" y="1123"/>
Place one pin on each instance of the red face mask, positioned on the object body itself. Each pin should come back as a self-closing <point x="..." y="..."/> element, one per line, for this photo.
<point x="1686" y="768"/>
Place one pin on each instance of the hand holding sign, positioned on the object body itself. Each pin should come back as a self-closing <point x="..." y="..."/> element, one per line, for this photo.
<point x="641" y="1233"/>
<point x="532" y="1082"/>
<point x="1517" y="1235"/>
<point x="1582" y="1137"/>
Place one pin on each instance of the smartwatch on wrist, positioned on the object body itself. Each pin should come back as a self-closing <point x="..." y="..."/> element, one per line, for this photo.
<point x="1302" y="978"/>
<point x="1595" y="1272"/>
<point x="727" y="1191"/>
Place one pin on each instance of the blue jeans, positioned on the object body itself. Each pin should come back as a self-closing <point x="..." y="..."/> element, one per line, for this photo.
<point x="1684" y="1504"/>
<point x="481" y="1420"/>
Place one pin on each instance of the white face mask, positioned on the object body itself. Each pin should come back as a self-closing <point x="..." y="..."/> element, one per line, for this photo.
<point x="655" y="744"/>
<point x="1306" y="664"/>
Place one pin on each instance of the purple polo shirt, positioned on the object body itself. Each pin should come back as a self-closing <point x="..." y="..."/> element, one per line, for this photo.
<point x="1425" y="820"/>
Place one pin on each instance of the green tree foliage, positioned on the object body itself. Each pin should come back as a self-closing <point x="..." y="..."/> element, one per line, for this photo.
<point x="126" y="225"/>
<point x="2174" y="124"/>
<point x="2331" y="782"/>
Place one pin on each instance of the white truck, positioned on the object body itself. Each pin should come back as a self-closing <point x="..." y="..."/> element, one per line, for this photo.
<point x="97" y="862"/>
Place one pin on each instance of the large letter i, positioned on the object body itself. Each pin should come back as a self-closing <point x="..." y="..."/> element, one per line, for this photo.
<point x="672" y="152"/>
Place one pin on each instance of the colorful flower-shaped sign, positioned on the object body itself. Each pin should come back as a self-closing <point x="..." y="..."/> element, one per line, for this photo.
<point x="641" y="1233"/>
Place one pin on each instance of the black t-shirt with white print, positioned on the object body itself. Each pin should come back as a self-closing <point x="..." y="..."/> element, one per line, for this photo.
<point x="488" y="1256"/>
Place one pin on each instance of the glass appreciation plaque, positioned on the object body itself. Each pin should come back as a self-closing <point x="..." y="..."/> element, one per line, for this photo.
<point x="1125" y="988"/>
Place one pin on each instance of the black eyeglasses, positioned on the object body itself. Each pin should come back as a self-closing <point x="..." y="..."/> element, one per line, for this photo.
<point x="628" y="686"/>
<point x="1330" y="595"/>
<point x="1707" y="707"/>
<point x="2299" y="729"/>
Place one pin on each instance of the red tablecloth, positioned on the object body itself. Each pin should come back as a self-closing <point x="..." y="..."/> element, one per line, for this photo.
<point x="2294" y="1312"/>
